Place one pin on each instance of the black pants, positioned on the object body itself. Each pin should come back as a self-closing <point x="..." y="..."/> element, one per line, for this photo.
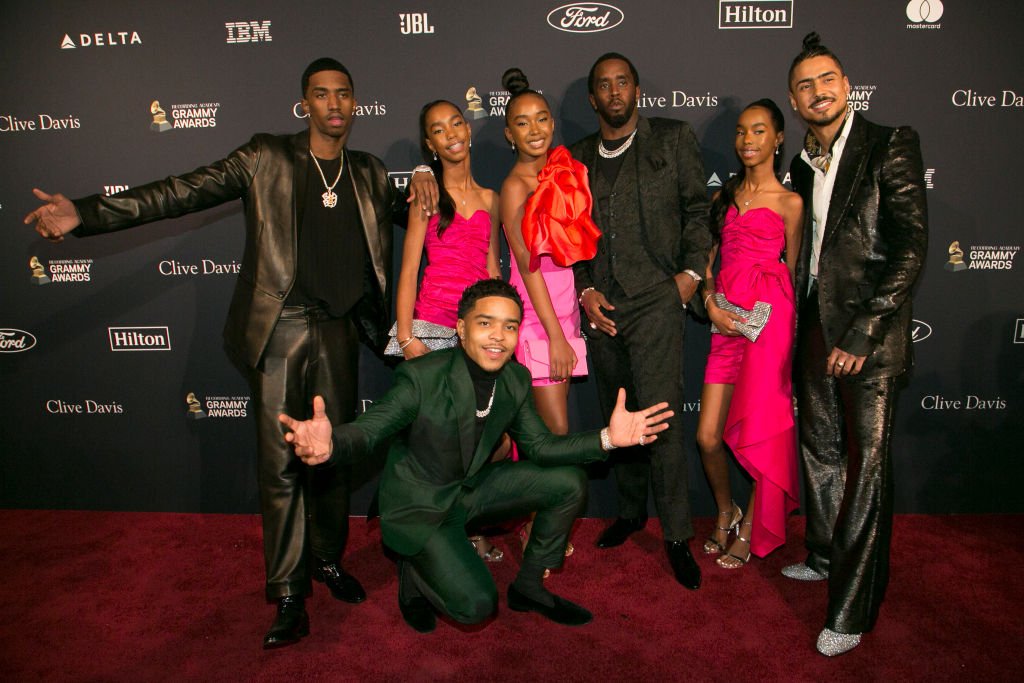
<point x="305" y="510"/>
<point x="845" y="427"/>
<point x="646" y="358"/>
<point x="448" y="571"/>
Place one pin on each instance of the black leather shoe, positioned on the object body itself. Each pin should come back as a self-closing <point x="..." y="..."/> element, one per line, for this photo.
<point x="619" y="531"/>
<point x="416" y="609"/>
<point x="343" y="585"/>
<point x="685" y="567"/>
<point x="291" y="623"/>
<point x="562" y="612"/>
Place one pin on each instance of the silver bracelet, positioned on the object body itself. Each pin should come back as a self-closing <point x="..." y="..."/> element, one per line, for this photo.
<point x="422" y="168"/>
<point x="579" y="299"/>
<point x="606" y="441"/>
<point x="693" y="274"/>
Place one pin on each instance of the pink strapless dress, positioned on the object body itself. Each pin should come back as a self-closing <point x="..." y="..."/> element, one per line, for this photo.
<point x="759" y="428"/>
<point x="455" y="260"/>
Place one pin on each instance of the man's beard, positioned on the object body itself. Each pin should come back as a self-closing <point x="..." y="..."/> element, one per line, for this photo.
<point x="618" y="120"/>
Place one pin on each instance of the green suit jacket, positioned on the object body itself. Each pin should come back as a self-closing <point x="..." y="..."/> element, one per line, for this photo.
<point x="432" y="461"/>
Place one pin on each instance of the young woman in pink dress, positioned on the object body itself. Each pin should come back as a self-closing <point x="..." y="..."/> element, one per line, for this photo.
<point x="545" y="210"/>
<point x="461" y="243"/>
<point x="747" y="399"/>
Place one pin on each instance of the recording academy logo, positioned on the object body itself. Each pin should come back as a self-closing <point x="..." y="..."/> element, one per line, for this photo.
<point x="60" y="270"/>
<point x="585" y="17"/>
<point x="56" y="406"/>
<point x="755" y="14"/>
<point x="860" y="97"/>
<point x="175" y="268"/>
<point x="929" y="178"/>
<point x="216" y="406"/>
<point x="40" y="122"/>
<point x="108" y="39"/>
<point x="414" y="23"/>
<point x="15" y="341"/>
<point x="919" y="330"/>
<point x="139" y="338"/>
<point x="248" y="32"/>
<point x="968" y="402"/>
<point x="199" y="115"/>
<point x="1018" y="331"/>
<point x="981" y="257"/>
<point x="924" y="14"/>
<point x="474" y="105"/>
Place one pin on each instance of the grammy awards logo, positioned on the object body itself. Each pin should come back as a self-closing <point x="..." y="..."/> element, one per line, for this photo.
<point x="474" y="105"/>
<point x="159" y="124"/>
<point x="39" y="276"/>
<point x="195" y="408"/>
<point x="956" y="258"/>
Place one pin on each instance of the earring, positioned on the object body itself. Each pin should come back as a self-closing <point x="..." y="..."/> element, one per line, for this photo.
<point x="776" y="151"/>
<point x="435" y="155"/>
<point x="471" y="144"/>
<point x="513" y="145"/>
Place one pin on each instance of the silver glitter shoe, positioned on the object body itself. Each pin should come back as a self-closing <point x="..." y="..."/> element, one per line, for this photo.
<point x="801" y="572"/>
<point x="831" y="643"/>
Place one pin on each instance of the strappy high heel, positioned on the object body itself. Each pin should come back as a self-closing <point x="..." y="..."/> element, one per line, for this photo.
<point x="712" y="546"/>
<point x="741" y="560"/>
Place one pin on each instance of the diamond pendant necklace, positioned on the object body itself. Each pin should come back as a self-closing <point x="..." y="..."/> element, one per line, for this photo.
<point x="487" y="411"/>
<point x="330" y="198"/>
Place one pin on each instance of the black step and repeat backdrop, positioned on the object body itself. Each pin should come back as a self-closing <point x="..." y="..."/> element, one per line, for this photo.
<point x="116" y="393"/>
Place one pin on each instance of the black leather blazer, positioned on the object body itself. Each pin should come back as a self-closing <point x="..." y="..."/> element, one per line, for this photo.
<point x="874" y="245"/>
<point x="268" y="174"/>
<point x="672" y="204"/>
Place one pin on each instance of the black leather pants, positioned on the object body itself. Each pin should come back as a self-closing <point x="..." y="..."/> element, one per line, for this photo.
<point x="646" y="357"/>
<point x="845" y="428"/>
<point x="305" y="510"/>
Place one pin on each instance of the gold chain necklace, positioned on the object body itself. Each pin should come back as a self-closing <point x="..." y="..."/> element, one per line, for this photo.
<point x="330" y="198"/>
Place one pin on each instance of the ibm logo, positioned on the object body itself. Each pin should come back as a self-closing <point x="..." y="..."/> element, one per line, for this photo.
<point x="414" y="23"/>
<point x="248" y="32"/>
<point x="929" y="175"/>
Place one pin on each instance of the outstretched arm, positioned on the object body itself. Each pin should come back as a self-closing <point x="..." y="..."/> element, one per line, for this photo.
<point x="311" y="438"/>
<point x="642" y="427"/>
<point x="54" y="219"/>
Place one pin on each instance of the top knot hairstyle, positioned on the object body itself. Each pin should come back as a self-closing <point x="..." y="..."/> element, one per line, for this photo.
<point x="515" y="81"/>
<point x="812" y="47"/>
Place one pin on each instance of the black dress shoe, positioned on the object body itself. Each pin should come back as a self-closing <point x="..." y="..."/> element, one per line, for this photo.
<point x="343" y="585"/>
<point x="685" y="567"/>
<point x="416" y="609"/>
<point x="619" y="531"/>
<point x="291" y="623"/>
<point x="562" y="612"/>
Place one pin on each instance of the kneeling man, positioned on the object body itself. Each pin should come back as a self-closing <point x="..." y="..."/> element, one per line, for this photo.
<point x="448" y="410"/>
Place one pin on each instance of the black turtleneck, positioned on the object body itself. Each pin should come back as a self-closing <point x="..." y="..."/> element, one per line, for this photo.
<point x="483" y="384"/>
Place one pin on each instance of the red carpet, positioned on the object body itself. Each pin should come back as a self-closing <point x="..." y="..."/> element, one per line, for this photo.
<point x="95" y="596"/>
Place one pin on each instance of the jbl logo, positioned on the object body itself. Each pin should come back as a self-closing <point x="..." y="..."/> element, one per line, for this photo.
<point x="414" y="23"/>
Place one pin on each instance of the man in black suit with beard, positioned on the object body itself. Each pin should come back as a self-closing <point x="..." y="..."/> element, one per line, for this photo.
<point x="315" y="278"/>
<point x="865" y="236"/>
<point x="650" y="201"/>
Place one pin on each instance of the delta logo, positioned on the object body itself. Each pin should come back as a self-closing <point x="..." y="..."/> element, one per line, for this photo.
<point x="101" y="39"/>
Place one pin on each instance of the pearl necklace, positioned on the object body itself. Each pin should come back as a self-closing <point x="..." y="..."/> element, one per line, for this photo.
<point x="487" y="411"/>
<point x="329" y="197"/>
<point x="605" y="154"/>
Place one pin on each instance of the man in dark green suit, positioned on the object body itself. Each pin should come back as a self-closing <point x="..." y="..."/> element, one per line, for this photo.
<point x="439" y="477"/>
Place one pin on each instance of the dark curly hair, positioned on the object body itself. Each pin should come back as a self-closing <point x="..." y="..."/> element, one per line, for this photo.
<point x="484" y="288"/>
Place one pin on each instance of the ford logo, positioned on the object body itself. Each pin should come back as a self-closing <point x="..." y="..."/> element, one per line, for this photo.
<point x="15" y="341"/>
<point x="920" y="330"/>
<point x="585" y="17"/>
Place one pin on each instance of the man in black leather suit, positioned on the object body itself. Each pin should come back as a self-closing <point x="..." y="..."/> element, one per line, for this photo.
<point x="315" y="278"/>
<point x="865" y="235"/>
<point x="650" y="201"/>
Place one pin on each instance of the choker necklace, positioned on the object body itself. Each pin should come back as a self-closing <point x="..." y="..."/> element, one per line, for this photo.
<point x="605" y="154"/>
<point x="330" y="198"/>
<point x="487" y="411"/>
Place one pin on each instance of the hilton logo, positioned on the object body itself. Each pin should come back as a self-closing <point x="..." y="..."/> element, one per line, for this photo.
<point x="755" y="14"/>
<point x="139" y="338"/>
<point x="400" y="179"/>
<point x="248" y="32"/>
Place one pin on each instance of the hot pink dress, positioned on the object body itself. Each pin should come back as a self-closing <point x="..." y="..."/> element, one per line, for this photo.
<point x="455" y="260"/>
<point x="759" y="428"/>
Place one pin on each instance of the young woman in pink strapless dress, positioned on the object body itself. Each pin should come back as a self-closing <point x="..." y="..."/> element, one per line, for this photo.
<point x="747" y="399"/>
<point x="545" y="209"/>
<point x="461" y="242"/>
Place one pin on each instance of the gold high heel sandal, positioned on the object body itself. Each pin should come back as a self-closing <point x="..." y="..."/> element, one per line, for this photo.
<point x="740" y="561"/>
<point x="713" y="547"/>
